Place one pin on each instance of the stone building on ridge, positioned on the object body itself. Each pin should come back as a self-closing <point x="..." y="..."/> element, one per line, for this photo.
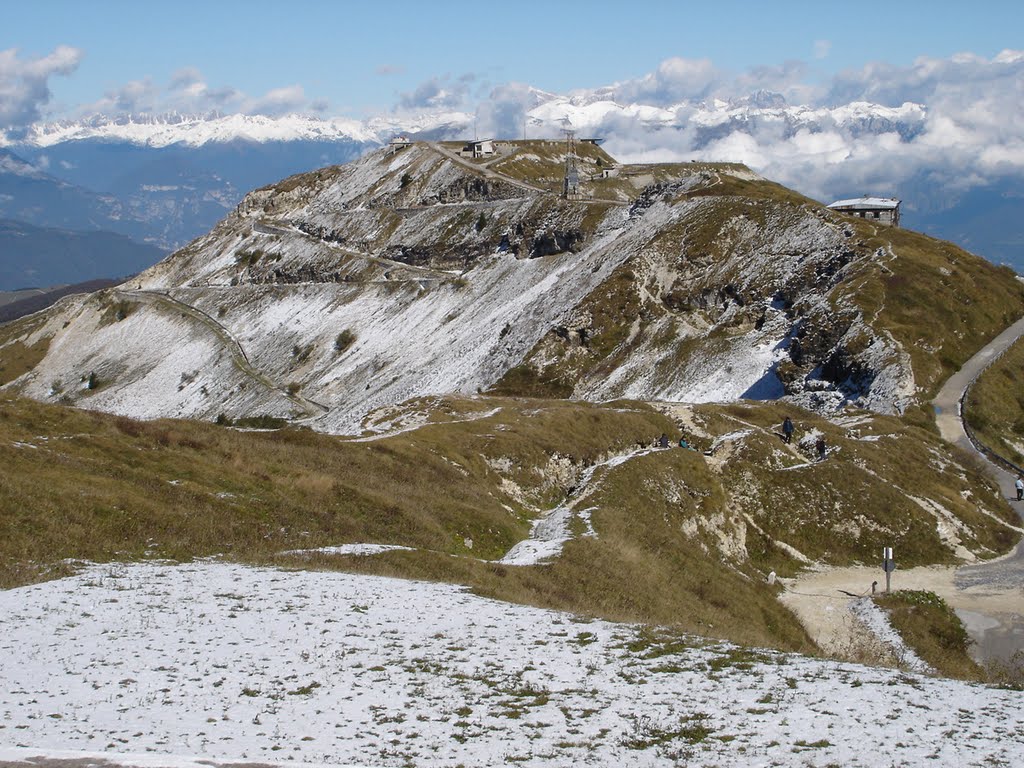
<point x="884" y="210"/>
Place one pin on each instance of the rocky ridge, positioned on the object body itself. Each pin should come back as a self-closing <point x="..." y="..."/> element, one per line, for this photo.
<point x="415" y="272"/>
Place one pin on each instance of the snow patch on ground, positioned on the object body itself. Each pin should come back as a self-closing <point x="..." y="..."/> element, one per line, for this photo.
<point x="550" y="532"/>
<point x="226" y="662"/>
<point x="348" y="549"/>
<point x="876" y="620"/>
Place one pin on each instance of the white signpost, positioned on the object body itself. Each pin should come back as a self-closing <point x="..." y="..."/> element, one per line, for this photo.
<point x="888" y="565"/>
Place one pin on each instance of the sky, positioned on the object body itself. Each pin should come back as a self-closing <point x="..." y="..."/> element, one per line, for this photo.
<point x="358" y="59"/>
<point x="919" y="100"/>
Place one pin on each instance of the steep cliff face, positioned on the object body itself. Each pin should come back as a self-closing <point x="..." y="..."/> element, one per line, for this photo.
<point x="416" y="272"/>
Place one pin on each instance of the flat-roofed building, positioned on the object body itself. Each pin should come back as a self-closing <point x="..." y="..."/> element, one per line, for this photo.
<point x="884" y="210"/>
<point x="480" y="148"/>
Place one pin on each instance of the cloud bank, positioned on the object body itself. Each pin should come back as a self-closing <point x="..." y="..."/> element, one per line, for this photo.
<point x="956" y="122"/>
<point x="951" y="124"/>
<point x="25" y="84"/>
<point x="187" y="92"/>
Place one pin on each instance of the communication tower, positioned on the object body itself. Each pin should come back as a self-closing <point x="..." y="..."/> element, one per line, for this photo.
<point x="571" y="181"/>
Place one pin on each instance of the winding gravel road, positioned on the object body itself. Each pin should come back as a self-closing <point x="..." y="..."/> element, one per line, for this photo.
<point x="1008" y="571"/>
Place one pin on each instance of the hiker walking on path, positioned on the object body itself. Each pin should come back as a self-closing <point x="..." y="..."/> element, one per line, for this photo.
<point x="1019" y="485"/>
<point x="822" y="448"/>
<point x="787" y="429"/>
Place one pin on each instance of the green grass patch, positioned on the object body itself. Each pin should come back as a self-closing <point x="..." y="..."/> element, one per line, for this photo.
<point x="995" y="405"/>
<point x="930" y="627"/>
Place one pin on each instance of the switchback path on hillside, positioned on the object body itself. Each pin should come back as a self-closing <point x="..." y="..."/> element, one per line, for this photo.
<point x="1006" y="572"/>
<point x="234" y="347"/>
<point x="430" y="275"/>
<point x="947" y="403"/>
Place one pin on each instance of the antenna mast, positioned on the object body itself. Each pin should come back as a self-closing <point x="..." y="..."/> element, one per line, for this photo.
<point x="571" y="181"/>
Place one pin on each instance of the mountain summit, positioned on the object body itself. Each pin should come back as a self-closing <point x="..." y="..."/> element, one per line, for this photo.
<point x="422" y="269"/>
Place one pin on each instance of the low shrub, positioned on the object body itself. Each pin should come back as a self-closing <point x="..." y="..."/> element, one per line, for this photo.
<point x="344" y="340"/>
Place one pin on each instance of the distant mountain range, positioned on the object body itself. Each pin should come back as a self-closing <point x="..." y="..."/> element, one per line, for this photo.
<point x="15" y="304"/>
<point x="165" y="180"/>
<point x="38" y="257"/>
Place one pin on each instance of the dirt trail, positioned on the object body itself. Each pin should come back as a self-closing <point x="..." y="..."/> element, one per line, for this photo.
<point x="228" y="340"/>
<point x="821" y="600"/>
<point x="988" y="597"/>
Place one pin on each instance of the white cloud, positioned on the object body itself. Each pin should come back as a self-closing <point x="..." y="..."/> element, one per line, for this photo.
<point x="279" y="101"/>
<point x="187" y="92"/>
<point x="437" y="93"/>
<point x="505" y="113"/>
<point x="674" y="80"/>
<point x="822" y="48"/>
<point x="24" y="83"/>
<point x="186" y="78"/>
<point x="954" y="121"/>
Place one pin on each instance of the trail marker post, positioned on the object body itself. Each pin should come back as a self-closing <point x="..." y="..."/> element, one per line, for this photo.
<point x="888" y="565"/>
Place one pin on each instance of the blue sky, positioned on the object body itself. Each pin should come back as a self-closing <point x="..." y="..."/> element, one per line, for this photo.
<point x="355" y="58"/>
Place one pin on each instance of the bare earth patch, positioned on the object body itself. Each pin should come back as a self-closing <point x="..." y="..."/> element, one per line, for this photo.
<point x="990" y="611"/>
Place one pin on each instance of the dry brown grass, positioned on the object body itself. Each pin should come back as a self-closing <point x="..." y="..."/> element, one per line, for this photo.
<point x="84" y="485"/>
<point x="858" y="500"/>
<point x="939" y="301"/>
<point x="16" y="359"/>
<point x="89" y="486"/>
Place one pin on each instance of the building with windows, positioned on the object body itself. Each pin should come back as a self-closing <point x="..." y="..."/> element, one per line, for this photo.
<point x="884" y="210"/>
<point x="480" y="148"/>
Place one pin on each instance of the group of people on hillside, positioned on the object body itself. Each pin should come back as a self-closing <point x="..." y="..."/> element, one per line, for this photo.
<point x="787" y="435"/>
<point x="663" y="442"/>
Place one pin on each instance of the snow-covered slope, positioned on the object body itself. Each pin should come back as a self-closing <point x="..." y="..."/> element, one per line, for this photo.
<point x="221" y="662"/>
<point x="417" y="272"/>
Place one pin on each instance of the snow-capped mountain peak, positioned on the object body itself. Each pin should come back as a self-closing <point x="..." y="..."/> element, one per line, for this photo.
<point x="196" y="131"/>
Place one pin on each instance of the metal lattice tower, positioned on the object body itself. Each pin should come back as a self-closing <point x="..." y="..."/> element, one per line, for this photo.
<point x="571" y="181"/>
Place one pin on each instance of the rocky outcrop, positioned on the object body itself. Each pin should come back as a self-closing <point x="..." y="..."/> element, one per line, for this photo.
<point x="712" y="285"/>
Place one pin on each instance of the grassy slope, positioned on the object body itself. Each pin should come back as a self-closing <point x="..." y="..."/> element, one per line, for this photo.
<point x="91" y="486"/>
<point x="16" y="358"/>
<point x="929" y="626"/>
<point x="941" y="302"/>
<point x="670" y="547"/>
<point x="846" y="508"/>
<point x="995" y="405"/>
